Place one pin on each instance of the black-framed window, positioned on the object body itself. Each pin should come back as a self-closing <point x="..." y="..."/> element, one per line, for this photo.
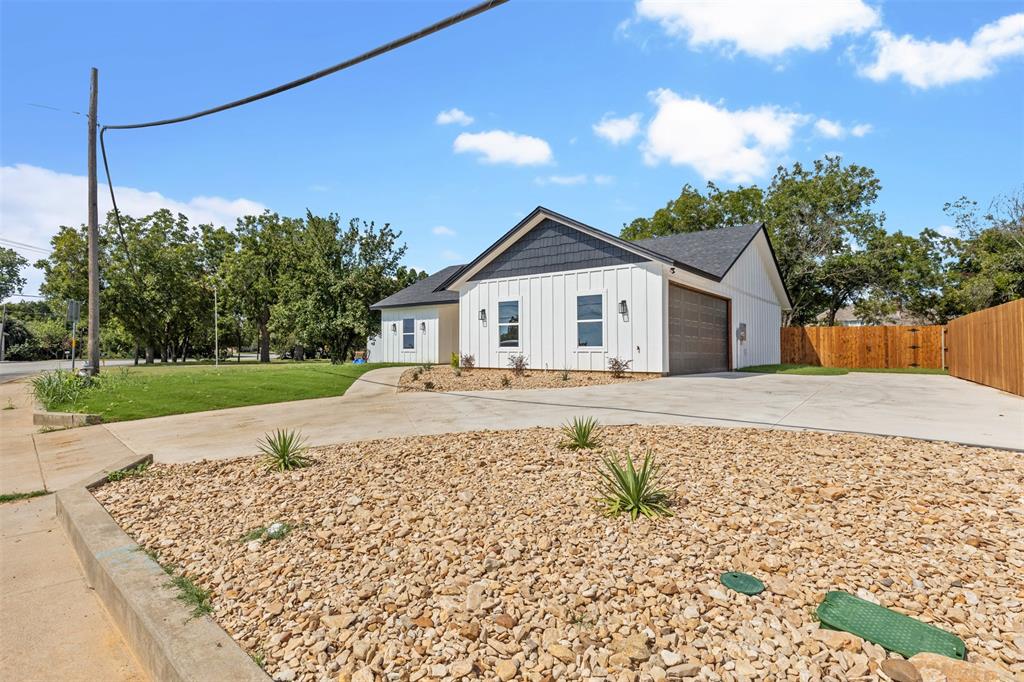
<point x="508" y="324"/>
<point x="590" y="320"/>
<point x="408" y="334"/>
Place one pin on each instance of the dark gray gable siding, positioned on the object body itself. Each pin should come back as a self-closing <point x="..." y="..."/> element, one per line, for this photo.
<point x="554" y="247"/>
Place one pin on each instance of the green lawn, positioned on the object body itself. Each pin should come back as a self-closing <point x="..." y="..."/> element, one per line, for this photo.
<point x="833" y="371"/>
<point x="140" y="392"/>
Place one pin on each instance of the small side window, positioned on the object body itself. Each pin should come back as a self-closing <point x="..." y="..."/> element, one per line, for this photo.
<point x="508" y="324"/>
<point x="408" y="334"/>
<point x="590" y="320"/>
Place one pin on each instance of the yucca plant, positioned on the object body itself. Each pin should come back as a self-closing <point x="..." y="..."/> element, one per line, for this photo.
<point x="627" y="490"/>
<point x="580" y="434"/>
<point x="284" y="450"/>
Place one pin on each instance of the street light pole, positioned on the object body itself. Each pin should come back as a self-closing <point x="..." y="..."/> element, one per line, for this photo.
<point x="94" y="260"/>
<point x="216" y="339"/>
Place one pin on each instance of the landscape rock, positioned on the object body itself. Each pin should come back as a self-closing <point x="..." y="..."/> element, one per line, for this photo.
<point x="417" y="581"/>
<point x="900" y="670"/>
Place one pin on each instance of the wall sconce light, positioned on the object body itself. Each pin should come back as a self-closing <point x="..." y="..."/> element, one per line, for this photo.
<point x="623" y="308"/>
<point x="483" y="315"/>
<point x="423" y="327"/>
<point x="394" y="327"/>
<point x="673" y="270"/>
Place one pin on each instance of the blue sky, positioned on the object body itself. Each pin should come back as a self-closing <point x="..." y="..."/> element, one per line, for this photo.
<point x="927" y="94"/>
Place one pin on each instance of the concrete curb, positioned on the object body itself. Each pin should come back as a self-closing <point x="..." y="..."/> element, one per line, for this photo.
<point x="40" y="417"/>
<point x="169" y="644"/>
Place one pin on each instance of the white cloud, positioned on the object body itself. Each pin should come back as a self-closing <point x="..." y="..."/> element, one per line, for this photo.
<point x="442" y="231"/>
<point x="761" y="28"/>
<point x="617" y="130"/>
<point x="450" y="256"/>
<point x="580" y="179"/>
<point x="604" y="179"/>
<point x="454" y="115"/>
<point x="35" y="202"/>
<point x="835" y="130"/>
<point x="500" y="146"/>
<point x="718" y="143"/>
<point x="931" y="63"/>
<point x="947" y="231"/>
<point x="830" y="129"/>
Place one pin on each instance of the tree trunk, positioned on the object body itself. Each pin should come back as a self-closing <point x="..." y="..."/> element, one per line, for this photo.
<point x="165" y="353"/>
<point x="136" y="355"/>
<point x="264" y="341"/>
<point x="300" y="352"/>
<point x="150" y="354"/>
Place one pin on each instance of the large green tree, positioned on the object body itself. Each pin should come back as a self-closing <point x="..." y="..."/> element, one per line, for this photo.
<point x="987" y="256"/>
<point x="11" y="263"/>
<point x="254" y="273"/>
<point x="334" y="274"/>
<point x="820" y="218"/>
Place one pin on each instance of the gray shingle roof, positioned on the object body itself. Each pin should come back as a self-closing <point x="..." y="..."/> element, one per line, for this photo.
<point x="711" y="251"/>
<point x="422" y="292"/>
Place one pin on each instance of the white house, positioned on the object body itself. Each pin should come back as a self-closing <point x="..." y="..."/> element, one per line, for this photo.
<point x="570" y="296"/>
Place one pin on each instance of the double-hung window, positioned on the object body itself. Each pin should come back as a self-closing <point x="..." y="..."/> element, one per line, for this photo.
<point x="408" y="334"/>
<point x="590" y="320"/>
<point x="508" y="324"/>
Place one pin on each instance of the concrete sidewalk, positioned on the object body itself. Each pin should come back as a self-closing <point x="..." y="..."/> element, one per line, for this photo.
<point x="53" y="626"/>
<point x="918" y="406"/>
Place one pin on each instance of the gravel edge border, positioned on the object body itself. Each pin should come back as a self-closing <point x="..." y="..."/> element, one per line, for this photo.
<point x="168" y="643"/>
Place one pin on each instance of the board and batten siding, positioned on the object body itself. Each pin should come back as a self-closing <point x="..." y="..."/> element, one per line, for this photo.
<point x="434" y="344"/>
<point x="755" y="301"/>
<point x="548" y="318"/>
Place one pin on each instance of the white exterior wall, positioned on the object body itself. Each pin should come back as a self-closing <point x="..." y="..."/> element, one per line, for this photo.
<point x="547" y="333"/>
<point x="754" y="300"/>
<point x="434" y="344"/>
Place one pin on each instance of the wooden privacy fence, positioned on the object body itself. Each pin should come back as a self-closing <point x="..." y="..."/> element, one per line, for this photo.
<point x="987" y="347"/>
<point x="878" y="347"/>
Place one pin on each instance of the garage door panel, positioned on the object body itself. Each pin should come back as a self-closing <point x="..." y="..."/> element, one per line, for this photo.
<point x="698" y="332"/>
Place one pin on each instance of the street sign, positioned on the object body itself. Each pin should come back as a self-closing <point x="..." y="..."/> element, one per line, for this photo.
<point x="74" y="311"/>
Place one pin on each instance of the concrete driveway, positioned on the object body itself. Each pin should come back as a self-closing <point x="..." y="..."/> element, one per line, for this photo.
<point x="918" y="406"/>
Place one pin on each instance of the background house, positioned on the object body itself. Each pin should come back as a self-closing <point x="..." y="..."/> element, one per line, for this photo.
<point x="570" y="296"/>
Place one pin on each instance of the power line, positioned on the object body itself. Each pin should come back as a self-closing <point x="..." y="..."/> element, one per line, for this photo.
<point x="366" y="56"/>
<point x="23" y="245"/>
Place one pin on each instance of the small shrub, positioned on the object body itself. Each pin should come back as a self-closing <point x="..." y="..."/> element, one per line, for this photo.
<point x="455" y="360"/>
<point x="457" y="371"/>
<point x="467" y="361"/>
<point x="624" y="489"/>
<point x="565" y="375"/>
<point x="192" y="595"/>
<point x="517" y="362"/>
<point x="505" y="381"/>
<point x="425" y="367"/>
<point x="254" y="534"/>
<point x="581" y="434"/>
<point x="130" y="472"/>
<point x="284" y="450"/>
<point x="428" y="385"/>
<point x="618" y="367"/>
<point x="278" y="530"/>
<point x="58" y="387"/>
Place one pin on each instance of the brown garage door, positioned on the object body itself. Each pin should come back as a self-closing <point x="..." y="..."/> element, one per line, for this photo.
<point x="698" y="332"/>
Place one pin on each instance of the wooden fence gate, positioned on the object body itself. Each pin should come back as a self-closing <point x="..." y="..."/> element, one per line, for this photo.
<point x="878" y="347"/>
<point x="987" y="347"/>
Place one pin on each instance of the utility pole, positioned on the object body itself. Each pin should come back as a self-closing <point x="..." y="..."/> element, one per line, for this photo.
<point x="94" y="257"/>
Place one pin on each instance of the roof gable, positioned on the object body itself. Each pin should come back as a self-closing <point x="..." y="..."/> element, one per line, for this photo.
<point x="552" y="246"/>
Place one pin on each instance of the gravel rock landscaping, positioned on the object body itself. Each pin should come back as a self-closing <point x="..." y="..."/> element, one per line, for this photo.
<point x="484" y="555"/>
<point x="444" y="378"/>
